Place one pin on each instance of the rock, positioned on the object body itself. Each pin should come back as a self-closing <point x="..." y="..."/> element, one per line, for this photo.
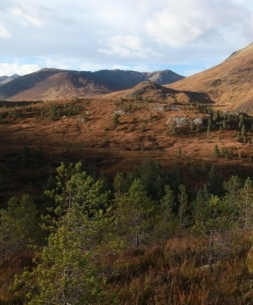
<point x="216" y="82"/>
<point x="197" y="122"/>
<point x="81" y="120"/>
<point x="121" y="112"/>
<point x="159" y="108"/>
<point x="175" y="108"/>
<point x="179" y="121"/>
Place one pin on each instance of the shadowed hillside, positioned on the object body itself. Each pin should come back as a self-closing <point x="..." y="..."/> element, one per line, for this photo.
<point x="116" y="134"/>
<point x="150" y="90"/>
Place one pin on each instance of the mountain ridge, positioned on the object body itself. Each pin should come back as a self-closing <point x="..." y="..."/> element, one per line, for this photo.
<point x="50" y="83"/>
<point x="5" y="79"/>
<point x="229" y="84"/>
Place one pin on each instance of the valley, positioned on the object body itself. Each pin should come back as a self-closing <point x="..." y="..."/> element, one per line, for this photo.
<point x="120" y="190"/>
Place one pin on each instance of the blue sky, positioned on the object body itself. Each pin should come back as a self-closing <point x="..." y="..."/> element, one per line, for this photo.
<point x="185" y="36"/>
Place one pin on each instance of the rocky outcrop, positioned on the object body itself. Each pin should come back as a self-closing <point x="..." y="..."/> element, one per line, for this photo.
<point x="181" y="121"/>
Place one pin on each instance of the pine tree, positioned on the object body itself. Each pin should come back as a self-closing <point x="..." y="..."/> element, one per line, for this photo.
<point x="119" y="185"/>
<point x="183" y="210"/>
<point x="232" y="195"/>
<point x="75" y="187"/>
<point x="216" y="151"/>
<point x="243" y="132"/>
<point x="214" y="221"/>
<point x="48" y="186"/>
<point x="133" y="210"/>
<point x="174" y="178"/>
<point x="65" y="274"/>
<point x="200" y="203"/>
<point x="52" y="113"/>
<point x="165" y="224"/>
<point x="18" y="225"/>
<point x="213" y="216"/>
<point x="214" y="182"/>
<point x="246" y="205"/>
<point x="149" y="172"/>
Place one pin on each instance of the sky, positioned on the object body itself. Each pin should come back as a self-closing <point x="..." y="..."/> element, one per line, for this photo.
<point x="186" y="36"/>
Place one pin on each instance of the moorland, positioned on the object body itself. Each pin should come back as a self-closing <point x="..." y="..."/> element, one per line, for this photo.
<point x="134" y="196"/>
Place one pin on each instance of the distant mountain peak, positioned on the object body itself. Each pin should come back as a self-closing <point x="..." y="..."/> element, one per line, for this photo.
<point x="15" y="75"/>
<point x="6" y="79"/>
<point x="50" y="83"/>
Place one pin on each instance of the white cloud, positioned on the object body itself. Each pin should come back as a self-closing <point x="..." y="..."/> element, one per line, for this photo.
<point x="26" y="16"/>
<point x="140" y="68"/>
<point x="126" y="46"/>
<point x="9" y="69"/>
<point x="89" y="66"/>
<point x="98" y="34"/>
<point x="4" y="32"/>
<point x="123" y="46"/>
<point x="178" y="24"/>
<point x="176" y="31"/>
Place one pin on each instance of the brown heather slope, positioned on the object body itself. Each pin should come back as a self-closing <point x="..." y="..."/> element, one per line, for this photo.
<point x="51" y="84"/>
<point x="229" y="84"/>
<point x="94" y="137"/>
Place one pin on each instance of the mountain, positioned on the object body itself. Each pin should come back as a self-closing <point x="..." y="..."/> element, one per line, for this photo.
<point x="5" y="79"/>
<point x="229" y="84"/>
<point x="121" y="80"/>
<point x="151" y="90"/>
<point x="48" y="84"/>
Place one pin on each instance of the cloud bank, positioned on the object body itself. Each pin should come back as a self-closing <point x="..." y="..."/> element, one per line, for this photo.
<point x="188" y="35"/>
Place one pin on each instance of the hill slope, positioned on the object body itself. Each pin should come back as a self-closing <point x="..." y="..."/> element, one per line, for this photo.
<point x="229" y="84"/>
<point x="48" y="84"/>
<point x="152" y="91"/>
